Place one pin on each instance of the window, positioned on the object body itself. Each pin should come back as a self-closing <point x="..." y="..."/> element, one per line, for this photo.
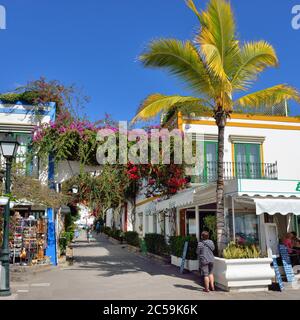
<point x="210" y="160"/>
<point x="248" y="161"/>
<point x="246" y="228"/>
<point x="209" y="169"/>
<point x="191" y="223"/>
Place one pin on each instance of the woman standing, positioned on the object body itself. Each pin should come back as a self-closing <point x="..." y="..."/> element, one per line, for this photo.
<point x="206" y="249"/>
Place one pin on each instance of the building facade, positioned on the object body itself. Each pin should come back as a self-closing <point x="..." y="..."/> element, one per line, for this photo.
<point x="262" y="182"/>
<point x="19" y="120"/>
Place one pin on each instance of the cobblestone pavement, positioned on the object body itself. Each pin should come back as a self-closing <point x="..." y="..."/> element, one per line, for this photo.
<point x="104" y="271"/>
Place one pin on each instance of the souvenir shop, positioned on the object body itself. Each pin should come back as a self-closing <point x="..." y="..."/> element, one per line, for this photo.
<point x="28" y="236"/>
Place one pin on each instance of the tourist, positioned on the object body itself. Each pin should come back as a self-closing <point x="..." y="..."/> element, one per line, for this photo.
<point x="288" y="242"/>
<point x="206" y="249"/>
<point x="98" y="227"/>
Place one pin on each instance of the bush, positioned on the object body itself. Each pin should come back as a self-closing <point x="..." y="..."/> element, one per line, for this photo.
<point x="156" y="243"/>
<point x="64" y="240"/>
<point x="107" y="230"/>
<point x="132" y="238"/>
<point x="177" y="246"/>
<point x="235" y="251"/>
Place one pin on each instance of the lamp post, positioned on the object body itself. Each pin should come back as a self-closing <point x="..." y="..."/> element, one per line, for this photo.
<point x="9" y="147"/>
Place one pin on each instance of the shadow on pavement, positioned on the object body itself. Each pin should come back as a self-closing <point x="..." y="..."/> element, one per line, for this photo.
<point x="117" y="260"/>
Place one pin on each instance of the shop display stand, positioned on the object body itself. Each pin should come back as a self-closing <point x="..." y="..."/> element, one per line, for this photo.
<point x="30" y="235"/>
<point x="30" y="240"/>
<point x="17" y="244"/>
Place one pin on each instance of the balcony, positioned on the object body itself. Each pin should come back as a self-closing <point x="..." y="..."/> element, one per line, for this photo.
<point x="237" y="170"/>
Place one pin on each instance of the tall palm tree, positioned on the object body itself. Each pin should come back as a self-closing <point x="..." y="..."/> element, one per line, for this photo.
<point x="216" y="65"/>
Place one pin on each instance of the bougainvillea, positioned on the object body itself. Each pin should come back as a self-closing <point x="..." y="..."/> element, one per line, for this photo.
<point x="76" y="140"/>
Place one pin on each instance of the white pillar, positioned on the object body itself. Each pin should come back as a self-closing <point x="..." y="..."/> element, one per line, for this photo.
<point x="289" y="223"/>
<point x="144" y="224"/>
<point x="168" y="225"/>
<point x="197" y="214"/>
<point x="233" y="218"/>
<point x="262" y="234"/>
<point x="178" y="221"/>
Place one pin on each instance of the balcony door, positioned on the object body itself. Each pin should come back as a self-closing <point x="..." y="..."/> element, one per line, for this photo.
<point x="210" y="161"/>
<point x="248" y="161"/>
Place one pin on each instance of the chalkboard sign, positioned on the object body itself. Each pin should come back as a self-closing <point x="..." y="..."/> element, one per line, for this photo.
<point x="287" y="265"/>
<point x="277" y="273"/>
<point x="185" y="249"/>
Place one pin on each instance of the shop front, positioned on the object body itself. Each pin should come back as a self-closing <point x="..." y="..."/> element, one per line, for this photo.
<point x="262" y="212"/>
<point x="28" y="238"/>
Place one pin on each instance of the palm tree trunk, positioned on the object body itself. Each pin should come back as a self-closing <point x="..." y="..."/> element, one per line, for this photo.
<point x="221" y="230"/>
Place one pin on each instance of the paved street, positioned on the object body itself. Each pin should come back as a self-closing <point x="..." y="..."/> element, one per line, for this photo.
<point x="105" y="271"/>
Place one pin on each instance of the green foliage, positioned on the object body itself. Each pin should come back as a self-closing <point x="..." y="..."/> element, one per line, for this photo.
<point x="177" y="246"/>
<point x="210" y="223"/>
<point x="235" y="251"/>
<point x="132" y="238"/>
<point x="64" y="240"/>
<point x="32" y="190"/>
<point x="27" y="97"/>
<point x="156" y="243"/>
<point x="114" y="233"/>
<point x="107" y="230"/>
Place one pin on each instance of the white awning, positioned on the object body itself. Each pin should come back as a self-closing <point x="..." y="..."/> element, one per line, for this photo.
<point x="181" y="199"/>
<point x="281" y="206"/>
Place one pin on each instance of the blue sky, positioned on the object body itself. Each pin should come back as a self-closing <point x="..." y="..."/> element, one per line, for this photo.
<point x="95" y="44"/>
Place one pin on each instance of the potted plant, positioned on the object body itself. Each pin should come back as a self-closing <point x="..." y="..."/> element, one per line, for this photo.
<point x="177" y="246"/>
<point x="243" y="268"/>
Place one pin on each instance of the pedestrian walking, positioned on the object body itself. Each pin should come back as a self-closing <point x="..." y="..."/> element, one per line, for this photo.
<point x="76" y="233"/>
<point x="98" y="227"/>
<point x="205" y="250"/>
<point x="89" y="234"/>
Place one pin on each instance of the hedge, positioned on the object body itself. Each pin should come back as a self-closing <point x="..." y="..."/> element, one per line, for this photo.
<point x="177" y="246"/>
<point x="132" y="238"/>
<point x="156" y="243"/>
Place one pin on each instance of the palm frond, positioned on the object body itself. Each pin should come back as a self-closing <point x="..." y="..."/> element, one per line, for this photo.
<point x="182" y="60"/>
<point x="269" y="97"/>
<point x="217" y="39"/>
<point x="254" y="58"/>
<point x="191" y="5"/>
<point x="156" y="103"/>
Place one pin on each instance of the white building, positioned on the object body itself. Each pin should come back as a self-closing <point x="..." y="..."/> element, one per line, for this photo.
<point x="20" y="120"/>
<point x="262" y="187"/>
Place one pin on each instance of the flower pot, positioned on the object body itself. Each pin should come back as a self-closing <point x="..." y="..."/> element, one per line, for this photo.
<point x="191" y="265"/>
<point x="243" y="275"/>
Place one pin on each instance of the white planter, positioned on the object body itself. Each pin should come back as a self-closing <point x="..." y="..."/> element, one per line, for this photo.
<point x="243" y="275"/>
<point x="191" y="265"/>
<point x="3" y="201"/>
<point x="12" y="204"/>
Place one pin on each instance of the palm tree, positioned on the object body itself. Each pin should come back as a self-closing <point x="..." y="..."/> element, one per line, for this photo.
<point x="215" y="66"/>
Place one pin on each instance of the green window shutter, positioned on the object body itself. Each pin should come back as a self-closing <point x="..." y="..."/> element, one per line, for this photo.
<point x="247" y="161"/>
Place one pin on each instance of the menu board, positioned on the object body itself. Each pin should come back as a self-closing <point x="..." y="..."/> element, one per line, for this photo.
<point x="287" y="265"/>
<point x="277" y="273"/>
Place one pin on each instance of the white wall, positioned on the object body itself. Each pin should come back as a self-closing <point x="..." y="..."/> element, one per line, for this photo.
<point x="280" y="145"/>
<point x="68" y="169"/>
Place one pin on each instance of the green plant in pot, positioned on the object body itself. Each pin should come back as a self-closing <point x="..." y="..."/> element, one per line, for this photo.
<point x="236" y="251"/>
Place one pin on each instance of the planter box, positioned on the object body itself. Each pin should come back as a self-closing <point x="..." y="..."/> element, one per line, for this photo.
<point x="243" y="275"/>
<point x="3" y="201"/>
<point x="191" y="265"/>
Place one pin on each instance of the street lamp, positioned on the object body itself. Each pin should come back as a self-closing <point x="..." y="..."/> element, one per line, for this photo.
<point x="9" y="147"/>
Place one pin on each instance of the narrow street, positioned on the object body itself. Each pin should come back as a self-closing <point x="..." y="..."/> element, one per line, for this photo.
<point x="105" y="271"/>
